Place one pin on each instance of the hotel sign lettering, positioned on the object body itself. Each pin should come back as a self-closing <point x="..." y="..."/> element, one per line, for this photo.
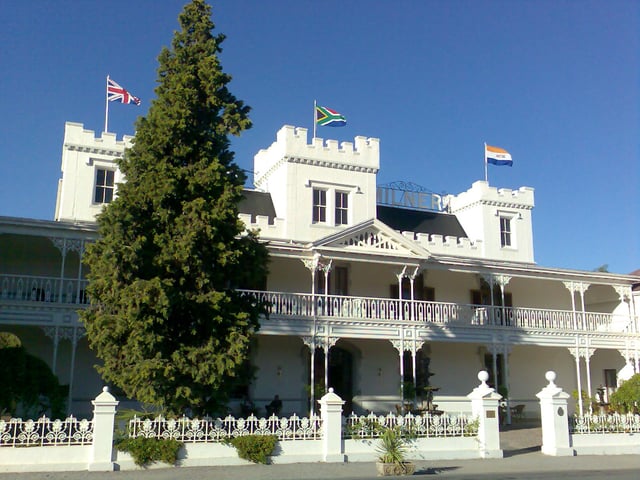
<point x="408" y="199"/>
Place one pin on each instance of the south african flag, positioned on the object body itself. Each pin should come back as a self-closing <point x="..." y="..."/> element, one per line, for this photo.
<point x="325" y="117"/>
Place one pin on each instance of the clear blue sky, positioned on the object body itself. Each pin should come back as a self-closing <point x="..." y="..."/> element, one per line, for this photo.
<point x="556" y="83"/>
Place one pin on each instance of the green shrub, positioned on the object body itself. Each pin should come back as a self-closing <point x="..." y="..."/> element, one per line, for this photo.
<point x="149" y="450"/>
<point x="626" y="399"/>
<point x="255" y="448"/>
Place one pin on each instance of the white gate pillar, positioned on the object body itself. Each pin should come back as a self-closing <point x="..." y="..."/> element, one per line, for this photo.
<point x="104" y="412"/>
<point x="484" y="406"/>
<point x="555" y="419"/>
<point x="331" y="414"/>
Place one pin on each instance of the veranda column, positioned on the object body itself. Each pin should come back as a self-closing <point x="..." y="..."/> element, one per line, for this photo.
<point x="488" y="277"/>
<point x="582" y="287"/>
<point x="399" y="345"/>
<point x="588" y="353"/>
<point x="555" y="420"/>
<point x="79" y="289"/>
<point x="502" y="281"/>
<point x="326" y="344"/>
<point x="571" y="287"/>
<point x="575" y="351"/>
<point x="73" y="334"/>
<point x="412" y="279"/>
<point x="61" y="244"/>
<point x="54" y="335"/>
<point x="493" y="348"/>
<point x="506" y="350"/>
<point x="311" y="343"/>
<point x="400" y="276"/>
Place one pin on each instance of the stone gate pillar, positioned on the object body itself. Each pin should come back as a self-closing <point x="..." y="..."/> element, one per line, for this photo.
<point x="555" y="419"/>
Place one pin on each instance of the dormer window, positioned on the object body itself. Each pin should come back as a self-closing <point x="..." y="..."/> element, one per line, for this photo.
<point x="104" y="186"/>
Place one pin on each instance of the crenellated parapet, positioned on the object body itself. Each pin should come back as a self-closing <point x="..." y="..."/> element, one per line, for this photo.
<point x="269" y="228"/>
<point x="77" y="138"/>
<point x="481" y="193"/>
<point x="291" y="146"/>
<point x="446" y="244"/>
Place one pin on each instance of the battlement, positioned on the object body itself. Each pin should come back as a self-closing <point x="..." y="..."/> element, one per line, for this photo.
<point x="291" y="146"/>
<point x="481" y="192"/>
<point x="267" y="230"/>
<point x="446" y="245"/>
<point x="77" y="138"/>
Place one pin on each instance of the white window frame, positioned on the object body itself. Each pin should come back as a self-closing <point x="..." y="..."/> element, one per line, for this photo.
<point x="341" y="208"/>
<point x="319" y="206"/>
<point x="332" y="189"/>
<point x="508" y="217"/>
<point x="105" y="187"/>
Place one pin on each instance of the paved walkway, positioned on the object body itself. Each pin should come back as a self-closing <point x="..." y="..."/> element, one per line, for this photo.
<point x="517" y="466"/>
<point x="521" y="445"/>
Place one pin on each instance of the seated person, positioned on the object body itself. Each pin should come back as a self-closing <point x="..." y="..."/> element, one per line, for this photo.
<point x="274" y="407"/>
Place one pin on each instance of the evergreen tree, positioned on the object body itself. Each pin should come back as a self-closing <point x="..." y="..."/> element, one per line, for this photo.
<point x="165" y="318"/>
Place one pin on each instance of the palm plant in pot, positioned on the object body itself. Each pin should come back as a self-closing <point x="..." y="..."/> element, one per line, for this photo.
<point x="391" y="454"/>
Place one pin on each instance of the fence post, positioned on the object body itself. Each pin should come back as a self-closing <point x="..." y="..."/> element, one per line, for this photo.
<point x="331" y="415"/>
<point x="104" y="412"/>
<point x="484" y="406"/>
<point x="555" y="420"/>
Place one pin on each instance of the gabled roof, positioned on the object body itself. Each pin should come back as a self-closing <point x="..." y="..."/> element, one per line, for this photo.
<point x="419" y="221"/>
<point x="374" y="238"/>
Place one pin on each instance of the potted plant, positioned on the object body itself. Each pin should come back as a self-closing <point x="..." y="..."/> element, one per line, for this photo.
<point x="391" y="454"/>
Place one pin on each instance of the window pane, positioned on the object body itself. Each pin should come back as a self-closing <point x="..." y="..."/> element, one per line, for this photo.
<point x="110" y="175"/>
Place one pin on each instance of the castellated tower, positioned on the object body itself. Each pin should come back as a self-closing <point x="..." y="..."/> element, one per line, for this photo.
<point x="318" y="188"/>
<point x="90" y="173"/>
<point x="499" y="217"/>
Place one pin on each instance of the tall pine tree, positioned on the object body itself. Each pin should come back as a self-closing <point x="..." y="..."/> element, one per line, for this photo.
<point x="165" y="318"/>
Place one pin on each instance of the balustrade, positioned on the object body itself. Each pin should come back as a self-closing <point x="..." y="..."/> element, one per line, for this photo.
<point x="440" y="313"/>
<point x="30" y="288"/>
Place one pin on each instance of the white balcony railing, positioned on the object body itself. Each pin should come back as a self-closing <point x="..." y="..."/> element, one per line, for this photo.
<point x="29" y="288"/>
<point x="441" y="313"/>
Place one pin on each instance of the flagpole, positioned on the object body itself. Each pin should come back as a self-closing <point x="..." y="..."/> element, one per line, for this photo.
<point x="314" y="118"/>
<point x="486" y="178"/>
<point x="106" y="108"/>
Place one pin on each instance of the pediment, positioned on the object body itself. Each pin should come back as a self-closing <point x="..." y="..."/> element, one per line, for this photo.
<point x="373" y="237"/>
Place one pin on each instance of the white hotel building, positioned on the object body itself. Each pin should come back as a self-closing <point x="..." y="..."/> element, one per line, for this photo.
<point x="368" y="284"/>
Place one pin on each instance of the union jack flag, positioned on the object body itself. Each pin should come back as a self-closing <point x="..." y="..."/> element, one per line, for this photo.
<point x="116" y="93"/>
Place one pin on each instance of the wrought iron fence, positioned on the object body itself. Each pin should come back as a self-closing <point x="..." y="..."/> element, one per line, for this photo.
<point x="607" y="423"/>
<point x="45" y="432"/>
<point x="423" y="426"/>
<point x="210" y="430"/>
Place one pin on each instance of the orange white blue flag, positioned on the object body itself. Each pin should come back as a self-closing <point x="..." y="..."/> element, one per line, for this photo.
<point x="497" y="156"/>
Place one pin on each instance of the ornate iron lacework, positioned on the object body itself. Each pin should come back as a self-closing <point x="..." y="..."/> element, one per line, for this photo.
<point x="45" y="432"/>
<point x="426" y="426"/>
<point x="611" y="423"/>
<point x="209" y="430"/>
